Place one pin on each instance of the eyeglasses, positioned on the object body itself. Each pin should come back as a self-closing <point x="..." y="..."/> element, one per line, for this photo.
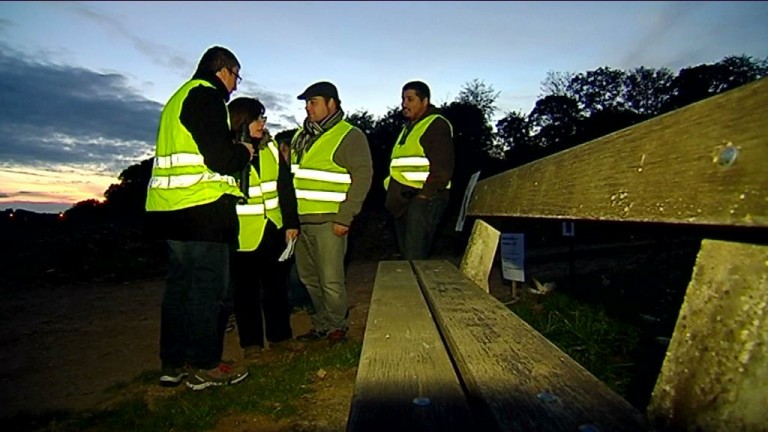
<point x="238" y="78"/>
<point x="263" y="119"/>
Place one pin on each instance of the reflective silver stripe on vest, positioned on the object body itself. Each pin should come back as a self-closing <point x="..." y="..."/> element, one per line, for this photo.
<point x="310" y="174"/>
<point x="179" y="160"/>
<point x="321" y="195"/>
<point x="187" y="180"/>
<point x="294" y="168"/>
<point x="269" y="186"/>
<point x="416" y="176"/>
<point x="254" y="191"/>
<point x="410" y="161"/>
<point x="250" y="209"/>
<point x="271" y="203"/>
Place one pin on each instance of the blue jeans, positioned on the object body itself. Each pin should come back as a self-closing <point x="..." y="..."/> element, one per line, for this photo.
<point x="196" y="303"/>
<point x="416" y="229"/>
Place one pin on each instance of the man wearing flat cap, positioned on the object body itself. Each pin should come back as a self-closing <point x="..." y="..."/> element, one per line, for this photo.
<point x="332" y="167"/>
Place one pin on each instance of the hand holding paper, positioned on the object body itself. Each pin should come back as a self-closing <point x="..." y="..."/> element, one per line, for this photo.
<point x="288" y="252"/>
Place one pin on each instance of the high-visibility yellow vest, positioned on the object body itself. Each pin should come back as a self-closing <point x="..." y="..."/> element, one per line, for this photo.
<point x="180" y="178"/>
<point x="321" y="185"/>
<point x="262" y="201"/>
<point x="408" y="164"/>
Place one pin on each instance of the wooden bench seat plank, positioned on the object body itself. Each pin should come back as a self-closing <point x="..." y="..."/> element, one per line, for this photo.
<point x="510" y="371"/>
<point x="404" y="358"/>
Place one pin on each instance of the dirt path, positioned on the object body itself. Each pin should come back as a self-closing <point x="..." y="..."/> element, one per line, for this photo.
<point x="64" y="347"/>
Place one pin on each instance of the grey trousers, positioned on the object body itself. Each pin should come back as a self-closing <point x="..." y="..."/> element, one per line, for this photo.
<point x="320" y="262"/>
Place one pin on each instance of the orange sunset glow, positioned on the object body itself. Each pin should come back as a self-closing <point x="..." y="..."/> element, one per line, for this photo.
<point x="52" y="189"/>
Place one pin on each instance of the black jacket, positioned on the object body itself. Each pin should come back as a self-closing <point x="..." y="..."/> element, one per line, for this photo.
<point x="204" y="115"/>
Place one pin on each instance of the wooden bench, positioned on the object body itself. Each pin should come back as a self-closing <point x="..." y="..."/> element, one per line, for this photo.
<point x="490" y="371"/>
<point x="703" y="168"/>
<point x="441" y="354"/>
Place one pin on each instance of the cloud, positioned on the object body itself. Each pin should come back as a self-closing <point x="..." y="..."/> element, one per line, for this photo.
<point x="66" y="132"/>
<point x="173" y="60"/>
<point x="158" y="53"/>
<point x="662" y="28"/>
<point x="65" y="114"/>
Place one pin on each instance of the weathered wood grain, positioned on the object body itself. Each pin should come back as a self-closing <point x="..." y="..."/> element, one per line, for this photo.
<point x="715" y="374"/>
<point x="674" y="168"/>
<point x="478" y="257"/>
<point x="403" y="358"/>
<point x="516" y="380"/>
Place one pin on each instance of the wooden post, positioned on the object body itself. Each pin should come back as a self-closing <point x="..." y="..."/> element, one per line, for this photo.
<point x="715" y="373"/>
<point x="478" y="257"/>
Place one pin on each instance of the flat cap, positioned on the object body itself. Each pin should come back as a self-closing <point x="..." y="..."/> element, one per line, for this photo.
<point x="322" y="88"/>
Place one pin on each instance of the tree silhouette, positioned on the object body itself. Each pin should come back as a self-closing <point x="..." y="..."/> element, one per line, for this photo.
<point x="514" y="134"/>
<point x="647" y="90"/>
<point x="700" y="82"/>
<point x="481" y="95"/>
<point x="471" y="136"/>
<point x="381" y="140"/>
<point x="556" y="84"/>
<point x="125" y="201"/>
<point x="598" y="90"/>
<point x="87" y="211"/>
<point x="555" y="122"/>
<point x="363" y="120"/>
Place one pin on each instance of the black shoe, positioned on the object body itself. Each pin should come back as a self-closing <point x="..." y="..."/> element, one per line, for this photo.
<point x="312" y="335"/>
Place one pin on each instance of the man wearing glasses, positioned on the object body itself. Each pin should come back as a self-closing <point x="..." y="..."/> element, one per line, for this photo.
<point x="191" y="204"/>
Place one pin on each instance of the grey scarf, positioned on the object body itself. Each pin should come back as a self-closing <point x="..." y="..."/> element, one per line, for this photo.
<point x="312" y="131"/>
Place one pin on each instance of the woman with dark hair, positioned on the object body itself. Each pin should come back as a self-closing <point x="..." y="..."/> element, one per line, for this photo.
<point x="268" y="221"/>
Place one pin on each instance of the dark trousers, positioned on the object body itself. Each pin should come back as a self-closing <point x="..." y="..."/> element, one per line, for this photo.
<point x="298" y="296"/>
<point x="261" y="292"/>
<point x="197" y="288"/>
<point x="416" y="229"/>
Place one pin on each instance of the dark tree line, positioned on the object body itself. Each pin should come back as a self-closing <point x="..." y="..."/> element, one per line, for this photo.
<point x="573" y="108"/>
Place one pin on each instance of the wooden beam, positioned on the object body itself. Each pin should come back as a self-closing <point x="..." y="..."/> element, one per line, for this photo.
<point x="478" y="257"/>
<point x="715" y="374"/>
<point x="706" y="163"/>
<point x="515" y="379"/>
<point x="405" y="379"/>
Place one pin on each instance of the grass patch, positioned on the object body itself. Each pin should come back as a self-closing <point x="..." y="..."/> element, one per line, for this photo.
<point x="601" y="344"/>
<point x="273" y="389"/>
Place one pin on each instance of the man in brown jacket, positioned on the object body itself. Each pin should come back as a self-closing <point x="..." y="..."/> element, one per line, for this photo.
<point x="420" y="172"/>
<point x="332" y="168"/>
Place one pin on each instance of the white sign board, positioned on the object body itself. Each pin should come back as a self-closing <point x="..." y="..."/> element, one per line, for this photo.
<point x="513" y="256"/>
<point x="465" y="203"/>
